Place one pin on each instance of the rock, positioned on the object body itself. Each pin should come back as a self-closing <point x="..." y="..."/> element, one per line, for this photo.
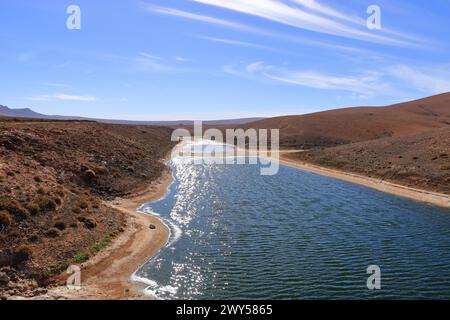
<point x="152" y="227"/>
<point x="39" y="292"/>
<point x="4" y="279"/>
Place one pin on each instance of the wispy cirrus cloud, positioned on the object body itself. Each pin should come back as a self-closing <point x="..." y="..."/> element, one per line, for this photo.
<point x="249" y="29"/>
<point x="393" y="80"/>
<point x="144" y="62"/>
<point x="201" y="18"/>
<point x="365" y="83"/>
<point x="312" y="16"/>
<point x="149" y="56"/>
<point x="181" y="59"/>
<point x="237" y="43"/>
<point x="63" y="97"/>
<point x="427" y="80"/>
<point x="327" y="10"/>
<point x="56" y="85"/>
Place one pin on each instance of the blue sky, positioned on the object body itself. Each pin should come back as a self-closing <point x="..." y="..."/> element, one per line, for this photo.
<point x="211" y="59"/>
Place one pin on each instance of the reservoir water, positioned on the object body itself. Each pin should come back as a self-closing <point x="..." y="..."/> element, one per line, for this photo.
<point x="236" y="234"/>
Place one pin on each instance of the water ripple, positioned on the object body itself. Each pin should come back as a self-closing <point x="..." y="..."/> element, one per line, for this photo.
<point x="297" y="235"/>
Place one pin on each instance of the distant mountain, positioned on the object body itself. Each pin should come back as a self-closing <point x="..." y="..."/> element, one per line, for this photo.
<point x="28" y="113"/>
<point x="25" y="113"/>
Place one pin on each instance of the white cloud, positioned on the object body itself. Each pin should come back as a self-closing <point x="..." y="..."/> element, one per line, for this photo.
<point x="63" y="97"/>
<point x="68" y="97"/>
<point x="249" y="29"/>
<point x="426" y="80"/>
<point x="142" y="62"/>
<point x="181" y="59"/>
<point x="199" y="17"/>
<point x="326" y="10"/>
<point x="395" y="80"/>
<point x="149" y="56"/>
<point x="298" y="17"/>
<point x="237" y="43"/>
<point x="56" y="85"/>
<point x="367" y="83"/>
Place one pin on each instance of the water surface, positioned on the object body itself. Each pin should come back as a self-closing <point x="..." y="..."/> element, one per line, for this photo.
<point x="296" y="235"/>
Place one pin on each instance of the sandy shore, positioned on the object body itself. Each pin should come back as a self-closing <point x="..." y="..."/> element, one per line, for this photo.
<point x="434" y="198"/>
<point x="107" y="275"/>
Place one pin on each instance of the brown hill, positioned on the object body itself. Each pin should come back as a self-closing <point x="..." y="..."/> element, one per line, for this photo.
<point x="53" y="178"/>
<point x="335" y="127"/>
<point x="420" y="160"/>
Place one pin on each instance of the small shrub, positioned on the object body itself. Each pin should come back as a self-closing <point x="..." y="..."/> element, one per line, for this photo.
<point x="37" y="179"/>
<point x="103" y="243"/>
<point x="57" y="200"/>
<point x="76" y="210"/>
<point x="14" y="207"/>
<point x="96" y="248"/>
<point x="46" y="204"/>
<point x="81" y="258"/>
<point x="32" y="208"/>
<point x="106" y="239"/>
<point x="82" y="204"/>
<point x="33" y="238"/>
<point x="88" y="222"/>
<point x="53" y="233"/>
<point x="21" y="254"/>
<point x="101" y="170"/>
<point x="60" y="225"/>
<point x="5" y="219"/>
<point x="96" y="202"/>
<point x="60" y="192"/>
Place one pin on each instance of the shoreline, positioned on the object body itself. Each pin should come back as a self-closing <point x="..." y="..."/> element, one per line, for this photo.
<point x="419" y="195"/>
<point x="108" y="275"/>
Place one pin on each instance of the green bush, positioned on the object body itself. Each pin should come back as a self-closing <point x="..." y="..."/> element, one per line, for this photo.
<point x="101" y="244"/>
<point x="81" y="257"/>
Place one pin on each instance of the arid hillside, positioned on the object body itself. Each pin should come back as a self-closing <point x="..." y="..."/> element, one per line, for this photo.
<point x="53" y="178"/>
<point x="342" y="126"/>
<point x="420" y="160"/>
